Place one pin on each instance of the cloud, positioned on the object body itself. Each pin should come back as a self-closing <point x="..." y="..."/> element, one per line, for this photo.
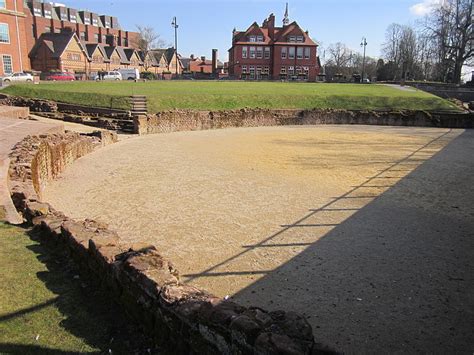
<point x="424" y="8"/>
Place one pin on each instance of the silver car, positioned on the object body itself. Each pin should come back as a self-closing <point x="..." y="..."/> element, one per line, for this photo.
<point x="18" y="77"/>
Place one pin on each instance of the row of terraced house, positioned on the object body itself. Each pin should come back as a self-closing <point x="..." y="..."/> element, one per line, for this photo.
<point x="41" y="36"/>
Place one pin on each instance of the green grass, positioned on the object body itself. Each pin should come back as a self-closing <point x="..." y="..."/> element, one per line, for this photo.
<point x="46" y="309"/>
<point x="207" y="95"/>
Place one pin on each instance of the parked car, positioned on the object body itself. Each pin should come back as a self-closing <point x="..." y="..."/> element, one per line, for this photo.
<point x="60" y="77"/>
<point x="18" y="77"/>
<point x="108" y="75"/>
<point x="129" y="74"/>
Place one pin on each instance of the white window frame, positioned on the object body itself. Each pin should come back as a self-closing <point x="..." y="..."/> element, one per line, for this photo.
<point x="307" y="52"/>
<point x="11" y="63"/>
<point x="266" y="53"/>
<point x="299" y="52"/>
<point x="48" y="14"/>
<point x="3" y="4"/>
<point x="252" y="52"/>
<point x="259" y="38"/>
<point x="259" y="52"/>
<point x="291" y="52"/>
<point x="245" y="53"/>
<point x="252" y="39"/>
<point x="8" y="33"/>
<point x="244" y="69"/>
<point x="37" y="11"/>
<point x="300" y="39"/>
<point x="284" y="52"/>
<point x="292" y="39"/>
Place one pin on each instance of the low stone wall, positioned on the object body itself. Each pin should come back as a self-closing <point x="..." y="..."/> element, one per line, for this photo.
<point x="188" y="120"/>
<point x="14" y="112"/>
<point x="35" y="105"/>
<point x="184" y="318"/>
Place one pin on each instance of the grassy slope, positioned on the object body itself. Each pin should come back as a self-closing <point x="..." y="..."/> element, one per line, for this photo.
<point x="203" y="95"/>
<point x="40" y="295"/>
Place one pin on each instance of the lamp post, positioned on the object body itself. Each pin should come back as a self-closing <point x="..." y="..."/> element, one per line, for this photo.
<point x="174" y="24"/>
<point x="363" y="44"/>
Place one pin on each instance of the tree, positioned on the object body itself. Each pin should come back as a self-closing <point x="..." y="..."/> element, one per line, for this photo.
<point x="450" y="28"/>
<point x="146" y="41"/>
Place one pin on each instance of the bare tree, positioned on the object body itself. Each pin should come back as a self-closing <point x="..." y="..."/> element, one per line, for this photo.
<point x="147" y="40"/>
<point x="450" y="27"/>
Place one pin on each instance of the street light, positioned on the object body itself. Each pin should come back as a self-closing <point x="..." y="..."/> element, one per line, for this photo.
<point x="175" y="25"/>
<point x="363" y="44"/>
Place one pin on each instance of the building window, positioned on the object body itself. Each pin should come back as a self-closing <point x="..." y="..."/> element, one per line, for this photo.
<point x="252" y="72"/>
<point x="72" y="18"/>
<point x="267" y="53"/>
<point x="283" y="70"/>
<point x="7" y="64"/>
<point x="283" y="52"/>
<point x="4" y="33"/>
<point x="83" y="36"/>
<point x="300" y="39"/>
<point x="252" y="52"/>
<point x="244" y="69"/>
<point x="259" y="38"/>
<point x="2" y="4"/>
<point x="244" y="52"/>
<point x="87" y="20"/>
<point x="252" y="39"/>
<point x="299" y="53"/>
<point x="104" y="39"/>
<point x="96" y="37"/>
<point x="47" y="13"/>
<point x="95" y="22"/>
<point x="259" y="52"/>
<point x="291" y="70"/>
<point x="63" y="16"/>
<point x="291" y="53"/>
<point x="74" y="57"/>
<point x="307" y="53"/>
<point x="37" y="11"/>
<point x="292" y="39"/>
<point x="47" y="29"/>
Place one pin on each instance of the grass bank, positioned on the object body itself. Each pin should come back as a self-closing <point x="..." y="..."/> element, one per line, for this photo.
<point x="212" y="95"/>
<point x="46" y="308"/>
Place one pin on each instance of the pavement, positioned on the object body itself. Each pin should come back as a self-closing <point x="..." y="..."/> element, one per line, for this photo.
<point x="12" y="131"/>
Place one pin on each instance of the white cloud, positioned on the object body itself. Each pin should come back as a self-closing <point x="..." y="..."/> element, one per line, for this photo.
<point x="424" y="8"/>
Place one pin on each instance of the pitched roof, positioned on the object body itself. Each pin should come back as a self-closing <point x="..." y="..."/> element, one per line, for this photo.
<point x="91" y="48"/>
<point x="56" y="43"/>
<point x="279" y="34"/>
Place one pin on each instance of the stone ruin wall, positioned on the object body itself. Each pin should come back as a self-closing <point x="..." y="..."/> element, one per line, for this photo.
<point x="181" y="317"/>
<point x="189" y="120"/>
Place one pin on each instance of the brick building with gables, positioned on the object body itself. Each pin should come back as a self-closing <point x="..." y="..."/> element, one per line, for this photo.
<point x="268" y="52"/>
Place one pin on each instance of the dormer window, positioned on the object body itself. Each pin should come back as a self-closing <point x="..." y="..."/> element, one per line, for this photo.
<point x="63" y="16"/>
<point x="37" y="11"/>
<point x="252" y="39"/>
<point x="47" y="13"/>
<point x="300" y="39"/>
<point x="259" y="38"/>
<point x="72" y="18"/>
<point x="87" y="20"/>
<point x="95" y="22"/>
<point x="292" y="39"/>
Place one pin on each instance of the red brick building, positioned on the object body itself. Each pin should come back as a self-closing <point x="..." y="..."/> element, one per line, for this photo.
<point x="13" y="42"/>
<point x="268" y="52"/>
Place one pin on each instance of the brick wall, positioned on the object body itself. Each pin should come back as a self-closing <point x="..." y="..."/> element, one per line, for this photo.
<point x="13" y="16"/>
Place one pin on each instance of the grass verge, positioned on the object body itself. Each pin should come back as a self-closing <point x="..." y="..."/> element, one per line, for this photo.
<point x="46" y="308"/>
<point x="212" y="95"/>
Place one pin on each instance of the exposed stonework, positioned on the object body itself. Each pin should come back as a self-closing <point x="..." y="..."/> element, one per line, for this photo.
<point x="186" y="319"/>
<point x="188" y="120"/>
<point x="35" y="105"/>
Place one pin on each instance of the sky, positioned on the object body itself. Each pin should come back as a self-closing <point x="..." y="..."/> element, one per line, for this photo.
<point x="207" y="24"/>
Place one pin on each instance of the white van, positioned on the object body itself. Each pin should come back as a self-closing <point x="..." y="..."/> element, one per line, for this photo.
<point x="129" y="74"/>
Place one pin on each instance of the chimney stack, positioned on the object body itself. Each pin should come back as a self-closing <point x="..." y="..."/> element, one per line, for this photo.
<point x="214" y="61"/>
<point x="271" y="26"/>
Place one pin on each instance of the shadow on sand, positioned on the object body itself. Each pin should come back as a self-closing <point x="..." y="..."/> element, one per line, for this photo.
<point x="395" y="276"/>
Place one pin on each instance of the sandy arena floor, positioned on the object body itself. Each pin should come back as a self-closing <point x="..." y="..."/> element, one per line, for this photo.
<point x="242" y="212"/>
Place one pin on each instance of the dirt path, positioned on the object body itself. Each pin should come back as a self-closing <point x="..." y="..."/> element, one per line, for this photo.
<point x="244" y="212"/>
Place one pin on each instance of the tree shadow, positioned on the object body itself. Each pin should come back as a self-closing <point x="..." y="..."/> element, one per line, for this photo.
<point x="395" y="276"/>
<point x="89" y="311"/>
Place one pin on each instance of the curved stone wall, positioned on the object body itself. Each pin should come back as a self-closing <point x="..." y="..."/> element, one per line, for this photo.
<point x="145" y="284"/>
